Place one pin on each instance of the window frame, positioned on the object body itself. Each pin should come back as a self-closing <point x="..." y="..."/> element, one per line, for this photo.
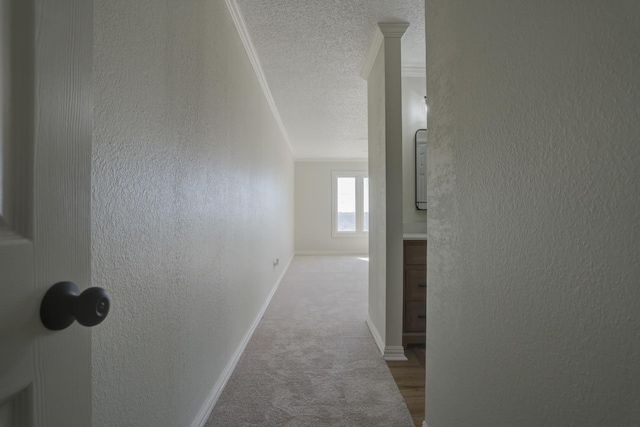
<point x="359" y="176"/>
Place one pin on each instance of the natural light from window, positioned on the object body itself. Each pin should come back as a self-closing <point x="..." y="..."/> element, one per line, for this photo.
<point x="350" y="204"/>
<point x="365" y="197"/>
<point x="347" y="204"/>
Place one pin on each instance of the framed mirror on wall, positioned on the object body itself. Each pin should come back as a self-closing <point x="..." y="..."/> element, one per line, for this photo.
<point x="420" y="141"/>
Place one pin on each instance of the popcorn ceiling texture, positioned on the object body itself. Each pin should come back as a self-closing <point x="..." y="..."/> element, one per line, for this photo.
<point x="312" y="53"/>
<point x="533" y="218"/>
<point x="192" y="200"/>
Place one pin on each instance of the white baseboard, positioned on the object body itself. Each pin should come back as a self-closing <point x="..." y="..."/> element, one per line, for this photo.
<point x="394" y="352"/>
<point x="210" y="402"/>
<point x="376" y="335"/>
<point x="337" y="253"/>
<point x="389" y="352"/>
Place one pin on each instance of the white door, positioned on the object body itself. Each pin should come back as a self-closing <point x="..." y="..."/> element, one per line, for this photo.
<point x="45" y="164"/>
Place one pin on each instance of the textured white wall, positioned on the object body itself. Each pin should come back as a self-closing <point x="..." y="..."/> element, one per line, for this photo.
<point x="533" y="218"/>
<point x="377" y="200"/>
<point x="192" y="199"/>
<point x="313" y="210"/>
<point x="413" y="118"/>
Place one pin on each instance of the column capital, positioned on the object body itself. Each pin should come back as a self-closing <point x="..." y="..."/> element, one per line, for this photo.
<point x="393" y="29"/>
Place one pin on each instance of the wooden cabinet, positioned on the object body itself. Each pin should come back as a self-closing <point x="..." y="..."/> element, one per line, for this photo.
<point x="415" y="292"/>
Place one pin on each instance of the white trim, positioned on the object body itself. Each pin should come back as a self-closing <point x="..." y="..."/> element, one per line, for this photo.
<point x="330" y="253"/>
<point x="394" y="352"/>
<point x="393" y="29"/>
<point x="241" y="26"/>
<point x="424" y="424"/>
<point x="387" y="29"/>
<point x="372" y="53"/>
<point x="205" y="411"/>
<point x="330" y="160"/>
<point x="376" y="335"/>
<point x="414" y="71"/>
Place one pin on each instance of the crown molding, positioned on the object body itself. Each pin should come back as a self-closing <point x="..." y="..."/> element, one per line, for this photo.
<point x="241" y="27"/>
<point x="393" y="29"/>
<point x="414" y="71"/>
<point x="372" y="53"/>
<point x="383" y="30"/>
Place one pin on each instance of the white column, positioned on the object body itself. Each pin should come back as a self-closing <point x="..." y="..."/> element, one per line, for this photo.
<point x="392" y="33"/>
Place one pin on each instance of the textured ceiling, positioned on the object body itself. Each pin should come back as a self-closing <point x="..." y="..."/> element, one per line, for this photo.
<point x="312" y="53"/>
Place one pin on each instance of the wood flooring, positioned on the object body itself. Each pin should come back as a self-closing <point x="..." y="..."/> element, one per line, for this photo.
<point x="409" y="376"/>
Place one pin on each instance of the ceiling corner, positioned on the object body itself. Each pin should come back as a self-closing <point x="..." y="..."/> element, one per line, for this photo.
<point x="372" y="53"/>
<point x="241" y="27"/>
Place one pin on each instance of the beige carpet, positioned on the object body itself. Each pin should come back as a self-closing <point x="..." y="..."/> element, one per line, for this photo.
<point x="312" y="360"/>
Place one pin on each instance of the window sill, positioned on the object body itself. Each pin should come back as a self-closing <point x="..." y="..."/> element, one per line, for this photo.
<point x="347" y="234"/>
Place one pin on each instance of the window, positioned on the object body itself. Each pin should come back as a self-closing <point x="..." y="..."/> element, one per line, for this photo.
<point x="350" y="204"/>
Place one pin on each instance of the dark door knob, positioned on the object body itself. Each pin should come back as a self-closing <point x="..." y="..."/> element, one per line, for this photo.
<point x="63" y="303"/>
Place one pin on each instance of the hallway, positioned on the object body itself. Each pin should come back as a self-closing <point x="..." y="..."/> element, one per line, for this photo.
<point x="312" y="359"/>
